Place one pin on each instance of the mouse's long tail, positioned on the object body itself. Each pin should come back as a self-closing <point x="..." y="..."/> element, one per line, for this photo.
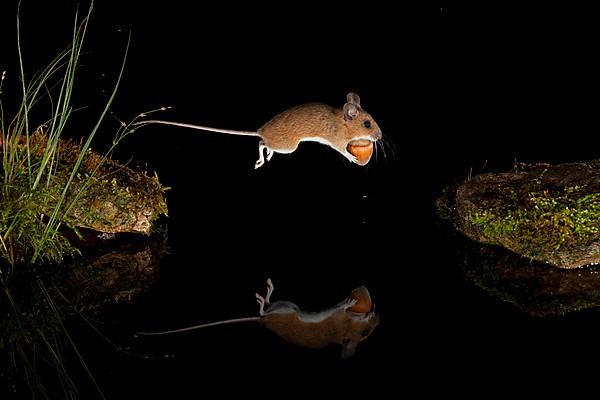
<point x="191" y="328"/>
<point x="203" y="128"/>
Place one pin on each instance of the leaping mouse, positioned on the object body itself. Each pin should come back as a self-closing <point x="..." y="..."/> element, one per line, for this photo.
<point x="350" y="130"/>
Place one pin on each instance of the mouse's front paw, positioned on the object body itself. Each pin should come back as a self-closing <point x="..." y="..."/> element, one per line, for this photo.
<point x="349" y="303"/>
<point x="351" y="157"/>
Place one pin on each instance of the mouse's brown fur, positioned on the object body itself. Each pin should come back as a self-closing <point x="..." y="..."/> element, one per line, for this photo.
<point x="318" y="122"/>
<point x="342" y="327"/>
<point x="286" y="130"/>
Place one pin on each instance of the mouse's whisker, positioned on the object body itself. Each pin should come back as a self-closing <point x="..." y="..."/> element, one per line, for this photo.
<point x="392" y="147"/>
<point x="383" y="150"/>
<point x="384" y="144"/>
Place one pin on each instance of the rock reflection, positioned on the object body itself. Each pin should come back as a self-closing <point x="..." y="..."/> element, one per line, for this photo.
<point x="538" y="289"/>
<point x="41" y="307"/>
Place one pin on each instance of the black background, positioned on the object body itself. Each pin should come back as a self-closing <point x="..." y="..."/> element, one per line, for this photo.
<point x="454" y="90"/>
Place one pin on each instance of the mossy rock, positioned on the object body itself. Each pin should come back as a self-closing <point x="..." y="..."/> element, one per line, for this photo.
<point x="111" y="198"/>
<point x="104" y="196"/>
<point x="548" y="213"/>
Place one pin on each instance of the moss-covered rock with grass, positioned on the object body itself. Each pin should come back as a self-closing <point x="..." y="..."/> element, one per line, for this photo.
<point x="104" y="196"/>
<point x="543" y="212"/>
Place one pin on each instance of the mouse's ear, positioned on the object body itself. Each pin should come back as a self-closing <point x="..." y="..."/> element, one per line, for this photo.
<point x="350" y="111"/>
<point x="353" y="98"/>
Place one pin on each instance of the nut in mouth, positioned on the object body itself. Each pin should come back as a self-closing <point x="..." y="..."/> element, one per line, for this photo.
<point x="362" y="149"/>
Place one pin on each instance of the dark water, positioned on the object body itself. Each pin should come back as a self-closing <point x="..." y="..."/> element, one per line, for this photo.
<point x="455" y="91"/>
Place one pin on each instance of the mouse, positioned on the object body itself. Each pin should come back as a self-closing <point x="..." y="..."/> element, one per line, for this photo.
<point x="346" y="324"/>
<point x="349" y="130"/>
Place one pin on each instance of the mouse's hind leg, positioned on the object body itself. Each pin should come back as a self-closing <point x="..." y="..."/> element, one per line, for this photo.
<point x="262" y="301"/>
<point x="270" y="289"/>
<point x="261" y="156"/>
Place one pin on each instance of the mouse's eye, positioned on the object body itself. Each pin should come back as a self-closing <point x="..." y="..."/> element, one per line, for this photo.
<point x="365" y="333"/>
<point x="367" y="124"/>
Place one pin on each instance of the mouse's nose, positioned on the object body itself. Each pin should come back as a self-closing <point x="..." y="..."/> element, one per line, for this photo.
<point x="377" y="135"/>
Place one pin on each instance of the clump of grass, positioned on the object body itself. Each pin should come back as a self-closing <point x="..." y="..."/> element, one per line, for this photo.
<point x="36" y="196"/>
<point x="545" y="220"/>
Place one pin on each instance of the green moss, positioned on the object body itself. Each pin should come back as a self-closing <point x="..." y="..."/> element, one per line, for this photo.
<point x="542" y="220"/>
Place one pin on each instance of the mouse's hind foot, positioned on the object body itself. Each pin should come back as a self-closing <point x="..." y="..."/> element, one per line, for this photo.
<point x="261" y="301"/>
<point x="270" y="289"/>
<point x="265" y="301"/>
<point x="261" y="154"/>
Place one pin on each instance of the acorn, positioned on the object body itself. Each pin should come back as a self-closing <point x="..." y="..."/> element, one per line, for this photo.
<point x="362" y="150"/>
